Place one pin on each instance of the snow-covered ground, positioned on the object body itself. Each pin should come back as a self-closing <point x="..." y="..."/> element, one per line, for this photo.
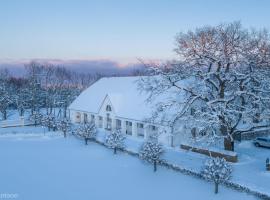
<point x="37" y="166"/>
<point x="249" y="171"/>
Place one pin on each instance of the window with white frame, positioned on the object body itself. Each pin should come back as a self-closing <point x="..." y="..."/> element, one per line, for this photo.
<point x="153" y="128"/>
<point x="93" y="118"/>
<point x="108" y="108"/>
<point x="100" y="121"/>
<point x="128" y="128"/>
<point x="85" y="118"/>
<point x="118" y="124"/>
<point x="139" y="125"/>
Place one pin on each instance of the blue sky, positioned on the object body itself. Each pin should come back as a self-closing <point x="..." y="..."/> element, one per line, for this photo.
<point x="119" y="30"/>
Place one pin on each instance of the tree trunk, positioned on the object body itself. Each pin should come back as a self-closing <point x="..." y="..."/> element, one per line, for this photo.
<point x="21" y="112"/>
<point x="114" y="150"/>
<point x="4" y="115"/>
<point x="228" y="144"/>
<point x="216" y="187"/>
<point x="65" y="134"/>
<point x="86" y="141"/>
<point x="65" y="112"/>
<point x="155" y="166"/>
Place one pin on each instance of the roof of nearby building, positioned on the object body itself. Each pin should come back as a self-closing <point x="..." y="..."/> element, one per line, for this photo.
<point x="126" y="99"/>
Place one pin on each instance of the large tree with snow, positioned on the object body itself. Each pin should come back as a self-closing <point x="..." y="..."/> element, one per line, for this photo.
<point x="115" y="140"/>
<point x="220" y="82"/>
<point x="35" y="91"/>
<point x="151" y="152"/>
<point x="217" y="170"/>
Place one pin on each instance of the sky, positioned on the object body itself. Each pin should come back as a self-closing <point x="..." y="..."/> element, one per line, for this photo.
<point x="121" y="31"/>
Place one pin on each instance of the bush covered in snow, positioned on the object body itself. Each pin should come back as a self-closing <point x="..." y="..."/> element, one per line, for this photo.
<point x="87" y="131"/>
<point x="151" y="152"/>
<point x="217" y="170"/>
<point x="115" y="140"/>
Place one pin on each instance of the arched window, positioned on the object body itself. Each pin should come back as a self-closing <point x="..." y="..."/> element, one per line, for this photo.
<point x="108" y="108"/>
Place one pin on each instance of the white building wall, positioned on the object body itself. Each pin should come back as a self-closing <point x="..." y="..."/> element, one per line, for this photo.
<point x="165" y="138"/>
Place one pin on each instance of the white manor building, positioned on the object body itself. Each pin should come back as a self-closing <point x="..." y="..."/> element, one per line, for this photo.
<point x="116" y="103"/>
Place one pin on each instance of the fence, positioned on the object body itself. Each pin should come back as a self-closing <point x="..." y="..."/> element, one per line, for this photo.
<point x="14" y="123"/>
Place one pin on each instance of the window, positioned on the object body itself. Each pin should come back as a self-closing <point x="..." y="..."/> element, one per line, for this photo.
<point x="153" y="128"/>
<point x="108" y="108"/>
<point x="78" y="117"/>
<point x="85" y="118"/>
<point x="128" y="123"/>
<point x="139" y="125"/>
<point x="118" y="124"/>
<point x="100" y="122"/>
<point x="93" y="118"/>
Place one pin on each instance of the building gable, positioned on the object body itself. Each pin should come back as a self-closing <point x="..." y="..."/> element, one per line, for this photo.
<point x="106" y="107"/>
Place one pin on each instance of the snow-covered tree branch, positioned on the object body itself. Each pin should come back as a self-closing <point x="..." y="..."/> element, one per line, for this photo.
<point x="219" y="85"/>
<point x="217" y="170"/>
<point x="151" y="152"/>
<point x="115" y="140"/>
<point x="87" y="131"/>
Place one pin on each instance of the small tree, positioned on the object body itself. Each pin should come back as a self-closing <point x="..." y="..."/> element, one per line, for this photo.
<point x="151" y="152"/>
<point x="36" y="117"/>
<point x="217" y="170"/>
<point x="64" y="126"/>
<point x="49" y="121"/>
<point x="87" y="131"/>
<point x="115" y="140"/>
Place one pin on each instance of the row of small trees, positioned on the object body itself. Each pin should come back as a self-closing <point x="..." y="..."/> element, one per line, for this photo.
<point x="51" y="122"/>
<point x="215" y="169"/>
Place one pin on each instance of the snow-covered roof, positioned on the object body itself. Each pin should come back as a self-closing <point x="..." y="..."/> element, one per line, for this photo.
<point x="127" y="101"/>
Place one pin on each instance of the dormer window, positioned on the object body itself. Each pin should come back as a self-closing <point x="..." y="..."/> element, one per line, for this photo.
<point x="108" y="108"/>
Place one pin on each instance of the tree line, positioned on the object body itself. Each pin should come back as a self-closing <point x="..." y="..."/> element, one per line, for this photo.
<point x="43" y="86"/>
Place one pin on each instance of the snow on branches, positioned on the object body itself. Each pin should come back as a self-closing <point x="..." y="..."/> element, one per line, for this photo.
<point x="220" y="85"/>
<point x="64" y="125"/>
<point x="87" y="131"/>
<point x="217" y="170"/>
<point x="115" y="140"/>
<point x="151" y="152"/>
<point x="5" y="94"/>
<point x="36" y="118"/>
<point x="49" y="121"/>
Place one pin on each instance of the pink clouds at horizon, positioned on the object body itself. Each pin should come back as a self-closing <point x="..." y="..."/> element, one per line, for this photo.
<point x="104" y="66"/>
